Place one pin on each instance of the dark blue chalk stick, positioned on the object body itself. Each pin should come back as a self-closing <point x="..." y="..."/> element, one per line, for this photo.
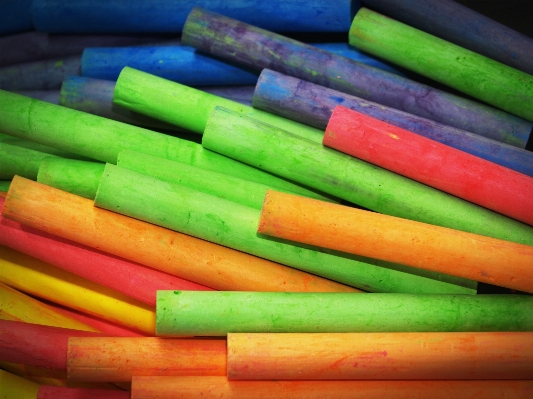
<point x="15" y="16"/>
<point x="112" y="16"/>
<point x="50" y="96"/>
<point x="39" y="75"/>
<point x="185" y="65"/>
<point x="313" y="104"/>
<point x="458" y="24"/>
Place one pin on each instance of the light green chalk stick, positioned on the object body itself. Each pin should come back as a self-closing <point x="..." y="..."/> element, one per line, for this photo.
<point x="219" y="313"/>
<point x="233" y="225"/>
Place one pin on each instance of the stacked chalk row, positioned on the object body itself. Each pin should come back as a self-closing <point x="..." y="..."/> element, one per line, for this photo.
<point x="171" y="231"/>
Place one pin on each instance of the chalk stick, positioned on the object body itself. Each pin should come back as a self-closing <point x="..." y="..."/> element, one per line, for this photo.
<point x="220" y="387"/>
<point x="463" y="26"/>
<point x="130" y="278"/>
<point x="233" y="225"/>
<point x="38" y="278"/>
<point x="168" y="17"/>
<point x="185" y="65"/>
<point x="51" y="392"/>
<point x="393" y="239"/>
<point x="76" y="177"/>
<point x="14" y="305"/>
<point x="313" y="104"/>
<point x="13" y="386"/>
<point x="255" y="143"/>
<point x="185" y="106"/>
<point x="17" y="157"/>
<point x="4" y="186"/>
<point x="36" y="345"/>
<point x="221" y="185"/>
<point x="219" y="313"/>
<point x="483" y="78"/>
<point x="381" y="356"/>
<point x="39" y="75"/>
<point x="119" y="359"/>
<point x="15" y="16"/>
<point x="36" y="46"/>
<point x="101" y="138"/>
<point x="453" y="171"/>
<point x="256" y="48"/>
<point x="50" y="96"/>
<point x="75" y="218"/>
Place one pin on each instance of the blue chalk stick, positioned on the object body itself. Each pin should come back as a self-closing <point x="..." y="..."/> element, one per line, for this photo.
<point x="15" y="16"/>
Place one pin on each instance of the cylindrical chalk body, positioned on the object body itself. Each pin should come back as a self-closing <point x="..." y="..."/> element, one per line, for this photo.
<point x="381" y="356"/>
<point x="453" y="171"/>
<point x="222" y="388"/>
<point x="15" y="16"/>
<point x="52" y="392"/>
<point x="459" y="24"/>
<point x="75" y="218"/>
<point x="137" y="16"/>
<point x="13" y="386"/>
<point x="257" y="48"/>
<point x="255" y="143"/>
<point x="473" y="74"/>
<point x="46" y="281"/>
<point x="119" y="359"/>
<point x="219" y="313"/>
<point x="233" y="225"/>
<point x="128" y="277"/>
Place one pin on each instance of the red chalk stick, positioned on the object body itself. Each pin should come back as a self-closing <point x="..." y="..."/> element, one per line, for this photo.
<point x="37" y="345"/>
<point x="51" y="392"/>
<point x="130" y="278"/>
<point x="445" y="168"/>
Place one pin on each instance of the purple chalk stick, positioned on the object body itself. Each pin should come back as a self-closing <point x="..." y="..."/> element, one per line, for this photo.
<point x="313" y="104"/>
<point x="257" y="48"/>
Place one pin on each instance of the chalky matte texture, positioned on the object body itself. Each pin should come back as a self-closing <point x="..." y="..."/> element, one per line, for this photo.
<point x="36" y="345"/>
<point x="101" y="138"/>
<point x="51" y="392"/>
<point x="185" y="65"/>
<point x="15" y="16"/>
<point x="473" y="74"/>
<point x="50" y="96"/>
<point x="14" y="386"/>
<point x="346" y="229"/>
<point x="75" y="218"/>
<point x="313" y="105"/>
<point x="219" y="313"/>
<point x="130" y="278"/>
<point x="39" y="75"/>
<point x="233" y="225"/>
<point x="16" y="306"/>
<point x="351" y="179"/>
<point x="381" y="356"/>
<point x="76" y="177"/>
<point x="137" y="16"/>
<point x="221" y="185"/>
<point x="186" y="107"/>
<point x="256" y="48"/>
<point x="458" y="24"/>
<point x="221" y="388"/>
<point x="119" y="359"/>
<point x="59" y="286"/>
<point x="468" y="177"/>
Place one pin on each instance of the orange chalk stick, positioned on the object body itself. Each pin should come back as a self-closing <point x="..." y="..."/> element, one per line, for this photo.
<point x="119" y="359"/>
<point x="75" y="218"/>
<point x="381" y="356"/>
<point x="15" y="305"/>
<point x="393" y="239"/>
<point x="221" y="388"/>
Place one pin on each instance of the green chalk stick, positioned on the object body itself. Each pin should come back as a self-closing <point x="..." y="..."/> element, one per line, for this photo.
<point x="481" y="77"/>
<point x="221" y="185"/>
<point x="186" y="107"/>
<point x="233" y="225"/>
<point x="76" y="177"/>
<point x="102" y="139"/>
<point x="218" y="312"/>
<point x="4" y="185"/>
<point x="288" y="155"/>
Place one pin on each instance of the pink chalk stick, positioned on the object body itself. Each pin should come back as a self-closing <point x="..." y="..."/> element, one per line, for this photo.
<point x="37" y="345"/>
<point x="130" y="278"/>
<point x="52" y="392"/>
<point x="437" y="165"/>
